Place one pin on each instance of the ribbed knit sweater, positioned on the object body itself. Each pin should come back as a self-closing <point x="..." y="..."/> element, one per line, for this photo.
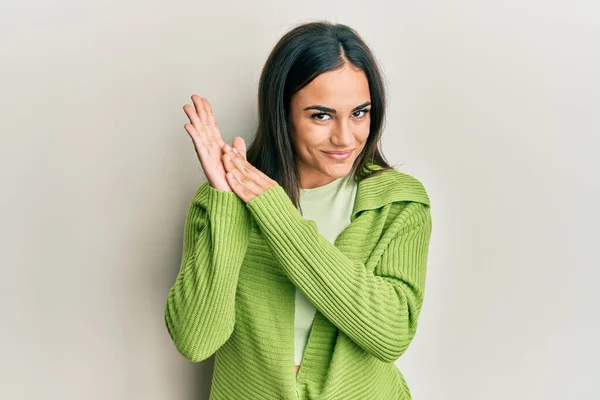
<point x="330" y="206"/>
<point x="235" y="291"/>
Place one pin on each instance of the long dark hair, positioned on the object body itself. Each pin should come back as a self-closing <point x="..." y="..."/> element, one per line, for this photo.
<point x="302" y="54"/>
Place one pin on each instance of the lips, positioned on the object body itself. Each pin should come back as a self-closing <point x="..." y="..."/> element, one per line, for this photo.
<point x="339" y="153"/>
<point x="339" y="156"/>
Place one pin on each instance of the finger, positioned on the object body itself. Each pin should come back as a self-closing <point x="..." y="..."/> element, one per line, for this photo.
<point x="237" y="188"/>
<point x="240" y="144"/>
<point x="198" y="104"/>
<point x="236" y="168"/>
<point x="209" y="113"/>
<point x="201" y="149"/>
<point x="197" y="138"/>
<point x="246" y="167"/>
<point x="239" y="162"/>
<point x="249" y="172"/>
<point x="259" y="181"/>
<point x="247" y="187"/>
<point x="193" y="117"/>
<point x="211" y="124"/>
<point x="219" y="141"/>
<point x="228" y="149"/>
<point x="228" y="162"/>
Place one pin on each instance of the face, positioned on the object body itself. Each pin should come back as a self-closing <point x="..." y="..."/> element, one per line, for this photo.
<point x="331" y="114"/>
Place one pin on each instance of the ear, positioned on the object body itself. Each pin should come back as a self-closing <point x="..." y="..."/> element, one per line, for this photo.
<point x="240" y="145"/>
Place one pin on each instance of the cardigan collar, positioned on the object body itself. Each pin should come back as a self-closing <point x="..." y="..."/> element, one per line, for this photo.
<point x="387" y="187"/>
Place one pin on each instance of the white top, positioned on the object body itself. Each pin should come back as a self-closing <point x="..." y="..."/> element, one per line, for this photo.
<point x="330" y="206"/>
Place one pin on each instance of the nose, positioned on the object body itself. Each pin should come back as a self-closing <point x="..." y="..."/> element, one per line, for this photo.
<point x="342" y="134"/>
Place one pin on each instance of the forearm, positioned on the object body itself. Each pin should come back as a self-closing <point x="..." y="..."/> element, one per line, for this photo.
<point x="200" y="307"/>
<point x="378" y="312"/>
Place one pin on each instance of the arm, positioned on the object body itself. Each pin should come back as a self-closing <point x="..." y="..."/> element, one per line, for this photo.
<point x="200" y="308"/>
<point x="377" y="309"/>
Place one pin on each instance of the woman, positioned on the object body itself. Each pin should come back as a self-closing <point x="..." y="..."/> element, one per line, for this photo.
<point x="307" y="250"/>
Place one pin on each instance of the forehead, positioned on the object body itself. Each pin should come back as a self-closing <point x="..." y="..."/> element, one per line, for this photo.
<point x="340" y="89"/>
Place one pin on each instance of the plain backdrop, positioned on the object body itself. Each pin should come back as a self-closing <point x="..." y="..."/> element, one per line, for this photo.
<point x="493" y="105"/>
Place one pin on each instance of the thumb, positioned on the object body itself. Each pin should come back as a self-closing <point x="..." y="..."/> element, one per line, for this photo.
<point x="240" y="145"/>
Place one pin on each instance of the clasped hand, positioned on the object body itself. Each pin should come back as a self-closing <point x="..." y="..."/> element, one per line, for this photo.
<point x="225" y="167"/>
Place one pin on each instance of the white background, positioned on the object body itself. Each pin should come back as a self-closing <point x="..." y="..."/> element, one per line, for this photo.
<point x="494" y="106"/>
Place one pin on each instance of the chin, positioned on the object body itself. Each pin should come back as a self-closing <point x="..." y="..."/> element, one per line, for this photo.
<point x="337" y="170"/>
<point x="331" y="168"/>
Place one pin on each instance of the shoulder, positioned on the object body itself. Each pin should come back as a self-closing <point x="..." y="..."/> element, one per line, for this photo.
<point x="409" y="205"/>
<point x="391" y="186"/>
<point x="405" y="186"/>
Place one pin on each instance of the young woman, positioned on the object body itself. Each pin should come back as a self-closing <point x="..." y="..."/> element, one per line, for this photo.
<point x="304" y="256"/>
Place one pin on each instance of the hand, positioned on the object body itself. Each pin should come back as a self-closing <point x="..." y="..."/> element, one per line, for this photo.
<point x="245" y="180"/>
<point x="208" y="142"/>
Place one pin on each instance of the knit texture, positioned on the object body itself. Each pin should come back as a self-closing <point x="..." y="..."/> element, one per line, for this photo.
<point x="235" y="291"/>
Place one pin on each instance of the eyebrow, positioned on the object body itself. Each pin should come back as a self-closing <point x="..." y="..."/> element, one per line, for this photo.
<point x="333" y="111"/>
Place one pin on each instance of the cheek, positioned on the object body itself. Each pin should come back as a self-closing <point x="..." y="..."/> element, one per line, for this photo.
<point x="364" y="130"/>
<point x="309" y="137"/>
<point x="361" y="133"/>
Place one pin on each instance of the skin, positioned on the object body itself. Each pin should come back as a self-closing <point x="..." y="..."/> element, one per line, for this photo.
<point x="225" y="167"/>
<point x="342" y="90"/>
<point x="208" y="143"/>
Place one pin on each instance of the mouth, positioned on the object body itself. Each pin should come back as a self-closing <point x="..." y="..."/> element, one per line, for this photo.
<point x="339" y="155"/>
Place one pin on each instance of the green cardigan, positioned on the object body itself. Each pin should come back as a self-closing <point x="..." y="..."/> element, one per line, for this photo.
<point x="235" y="291"/>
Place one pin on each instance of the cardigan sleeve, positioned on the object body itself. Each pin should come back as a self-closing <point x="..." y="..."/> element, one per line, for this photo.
<point x="377" y="309"/>
<point x="200" y="307"/>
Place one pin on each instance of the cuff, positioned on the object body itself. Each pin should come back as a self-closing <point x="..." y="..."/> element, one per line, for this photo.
<point x="272" y="208"/>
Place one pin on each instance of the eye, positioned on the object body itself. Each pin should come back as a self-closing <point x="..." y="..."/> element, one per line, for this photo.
<point x="320" y="116"/>
<point x="360" y="116"/>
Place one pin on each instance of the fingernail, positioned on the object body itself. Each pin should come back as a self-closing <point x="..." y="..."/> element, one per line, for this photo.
<point x="235" y="150"/>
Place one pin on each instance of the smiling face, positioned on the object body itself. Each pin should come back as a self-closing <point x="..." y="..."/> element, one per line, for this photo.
<point x="331" y="114"/>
